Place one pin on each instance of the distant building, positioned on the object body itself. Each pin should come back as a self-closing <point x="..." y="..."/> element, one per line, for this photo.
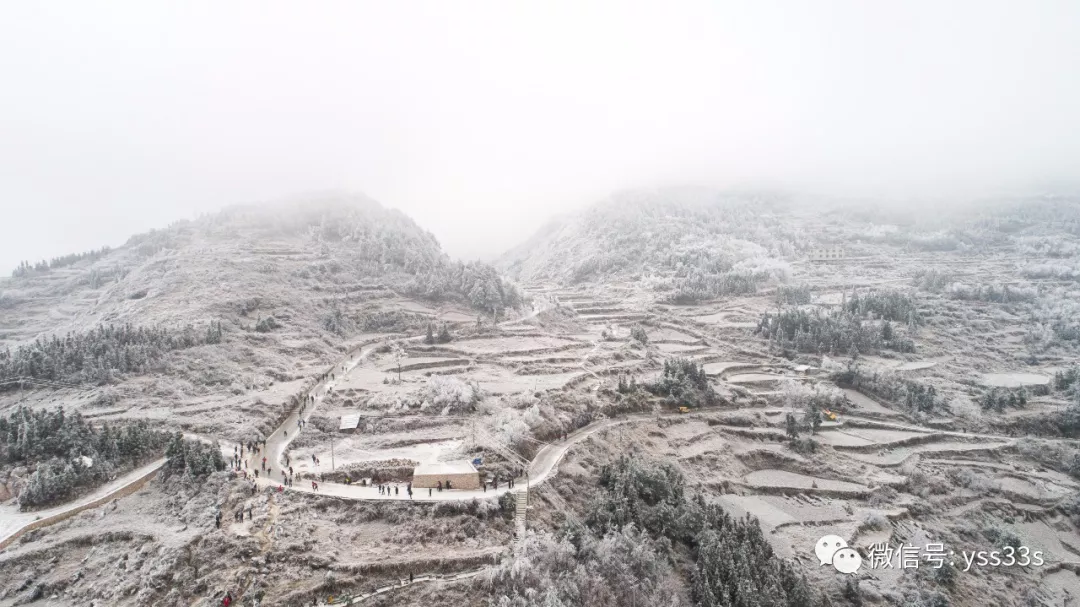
<point x="830" y="253"/>
<point x="461" y="474"/>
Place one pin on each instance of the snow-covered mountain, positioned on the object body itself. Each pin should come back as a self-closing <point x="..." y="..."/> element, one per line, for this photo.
<point x="248" y="301"/>
<point x="696" y="243"/>
<point x="658" y="234"/>
<point x="273" y="259"/>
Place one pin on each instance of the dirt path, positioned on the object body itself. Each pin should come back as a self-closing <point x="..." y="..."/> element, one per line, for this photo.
<point x="420" y="579"/>
<point x="585" y="360"/>
<point x="537" y="309"/>
<point x="266" y="536"/>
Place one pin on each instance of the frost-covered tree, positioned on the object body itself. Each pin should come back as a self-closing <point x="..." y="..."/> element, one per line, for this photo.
<point x="684" y="383"/>
<point x="25" y="268"/>
<point x="1070" y="419"/>
<point x="335" y="321"/>
<point x="450" y="394"/>
<point x="444" y="335"/>
<point x="99" y="354"/>
<point x="477" y="284"/>
<point x="890" y="386"/>
<point x="733" y="562"/>
<point x="194" y="458"/>
<point x="68" y="454"/>
<point x="835" y="332"/>
<point x="795" y="295"/>
<point x="267" y="324"/>
<point x="812" y="418"/>
<point x="397" y="352"/>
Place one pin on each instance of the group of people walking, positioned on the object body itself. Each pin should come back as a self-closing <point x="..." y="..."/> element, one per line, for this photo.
<point x="254" y="448"/>
<point x="385" y="490"/>
<point x="509" y="481"/>
<point x="238" y="516"/>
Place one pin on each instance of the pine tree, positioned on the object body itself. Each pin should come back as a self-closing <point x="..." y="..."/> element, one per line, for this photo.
<point x="175" y="452"/>
<point x="852" y="593"/>
<point x="444" y="335"/>
<point x="812" y="418"/>
<point x="57" y="442"/>
<point x="399" y="355"/>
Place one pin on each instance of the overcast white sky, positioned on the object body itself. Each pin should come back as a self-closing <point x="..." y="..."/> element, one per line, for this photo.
<point x="481" y="120"/>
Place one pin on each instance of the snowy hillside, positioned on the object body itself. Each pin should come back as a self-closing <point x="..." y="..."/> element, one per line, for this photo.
<point x="248" y="301"/>
<point x="687" y="233"/>
<point x="247" y="261"/>
<point x="694" y="244"/>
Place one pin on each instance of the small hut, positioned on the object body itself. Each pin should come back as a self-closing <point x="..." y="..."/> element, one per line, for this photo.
<point x="349" y="423"/>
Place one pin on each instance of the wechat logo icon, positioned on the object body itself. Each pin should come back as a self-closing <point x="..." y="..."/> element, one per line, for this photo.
<point x="834" y="550"/>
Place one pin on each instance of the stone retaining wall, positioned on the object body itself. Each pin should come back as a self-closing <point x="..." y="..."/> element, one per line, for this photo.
<point x="465" y="480"/>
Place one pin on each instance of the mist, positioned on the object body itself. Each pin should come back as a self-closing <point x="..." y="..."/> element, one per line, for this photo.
<point x="482" y="120"/>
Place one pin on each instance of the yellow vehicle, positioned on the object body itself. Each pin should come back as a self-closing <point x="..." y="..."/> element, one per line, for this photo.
<point x="829" y="415"/>
<point x="684" y="409"/>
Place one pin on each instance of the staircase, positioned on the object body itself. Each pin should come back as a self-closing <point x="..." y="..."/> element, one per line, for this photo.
<point x="521" y="509"/>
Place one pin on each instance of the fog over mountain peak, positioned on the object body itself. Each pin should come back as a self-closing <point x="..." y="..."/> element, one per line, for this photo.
<point x="482" y="121"/>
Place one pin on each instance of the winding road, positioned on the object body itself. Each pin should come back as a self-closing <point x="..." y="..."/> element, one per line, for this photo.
<point x="14" y="523"/>
<point x="541" y="468"/>
<point x="543" y="465"/>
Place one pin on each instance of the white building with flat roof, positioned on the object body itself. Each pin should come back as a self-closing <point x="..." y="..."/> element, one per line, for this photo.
<point x="457" y="474"/>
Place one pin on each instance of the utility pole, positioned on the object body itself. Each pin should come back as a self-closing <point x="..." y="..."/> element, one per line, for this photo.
<point x="331" y="453"/>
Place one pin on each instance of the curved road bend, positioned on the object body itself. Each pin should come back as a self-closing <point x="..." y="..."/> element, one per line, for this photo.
<point x="13" y="522"/>
<point x="543" y="465"/>
<point x="277" y="442"/>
